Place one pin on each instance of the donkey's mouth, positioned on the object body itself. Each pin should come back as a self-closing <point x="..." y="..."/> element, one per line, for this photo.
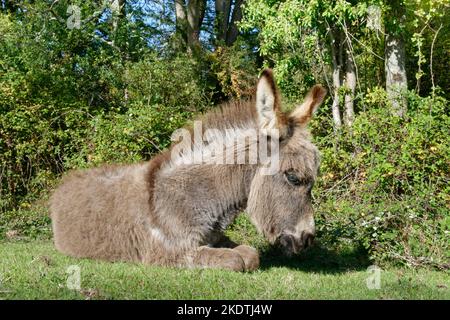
<point x="289" y="244"/>
<point x="292" y="245"/>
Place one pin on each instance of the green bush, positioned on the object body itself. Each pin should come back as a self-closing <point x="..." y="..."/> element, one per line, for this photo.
<point x="34" y="141"/>
<point x="130" y="137"/>
<point x="25" y="223"/>
<point x="234" y="69"/>
<point x="172" y="82"/>
<point x="74" y="105"/>
<point x="385" y="182"/>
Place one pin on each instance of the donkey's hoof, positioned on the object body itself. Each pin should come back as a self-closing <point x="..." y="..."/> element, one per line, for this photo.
<point x="232" y="261"/>
<point x="250" y="256"/>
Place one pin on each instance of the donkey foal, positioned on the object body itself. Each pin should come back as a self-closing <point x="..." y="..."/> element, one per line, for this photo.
<point x="171" y="211"/>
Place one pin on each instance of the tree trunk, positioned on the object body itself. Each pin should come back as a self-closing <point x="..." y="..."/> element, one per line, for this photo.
<point x="336" y="53"/>
<point x="181" y="20"/>
<point x="396" y="81"/>
<point x="189" y="19"/>
<point x="118" y="11"/>
<point x="394" y="62"/>
<point x="223" y="8"/>
<point x="350" y="83"/>
<point x="227" y="30"/>
<point x="233" y="30"/>
<point x="195" y="14"/>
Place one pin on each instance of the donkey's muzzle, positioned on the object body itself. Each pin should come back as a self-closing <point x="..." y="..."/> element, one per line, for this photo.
<point x="291" y="244"/>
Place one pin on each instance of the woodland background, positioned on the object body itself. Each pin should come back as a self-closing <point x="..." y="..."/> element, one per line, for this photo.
<point x="88" y="82"/>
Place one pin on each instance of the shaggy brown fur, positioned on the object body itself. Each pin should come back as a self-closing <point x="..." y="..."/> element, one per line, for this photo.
<point x="166" y="213"/>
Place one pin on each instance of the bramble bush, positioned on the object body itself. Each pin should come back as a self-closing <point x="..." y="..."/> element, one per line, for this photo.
<point x="52" y="119"/>
<point x="233" y="68"/>
<point x="385" y="181"/>
<point x="129" y="137"/>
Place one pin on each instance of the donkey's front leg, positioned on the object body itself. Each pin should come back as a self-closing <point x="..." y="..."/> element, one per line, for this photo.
<point x="249" y="254"/>
<point x="222" y="258"/>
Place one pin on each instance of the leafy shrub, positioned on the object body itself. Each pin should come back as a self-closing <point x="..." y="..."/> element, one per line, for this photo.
<point x="130" y="137"/>
<point x="384" y="182"/>
<point x="34" y="140"/>
<point x="73" y="104"/>
<point x="25" y="223"/>
<point x="234" y="69"/>
<point x="172" y="82"/>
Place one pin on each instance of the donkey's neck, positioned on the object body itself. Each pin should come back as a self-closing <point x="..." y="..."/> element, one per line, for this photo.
<point x="217" y="191"/>
<point x="231" y="189"/>
<point x="208" y="193"/>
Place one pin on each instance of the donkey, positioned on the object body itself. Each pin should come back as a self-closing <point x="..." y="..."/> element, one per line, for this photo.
<point x="173" y="213"/>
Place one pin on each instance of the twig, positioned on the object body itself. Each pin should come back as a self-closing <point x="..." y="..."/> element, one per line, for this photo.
<point x="322" y="64"/>
<point x="153" y="144"/>
<point x="110" y="43"/>
<point x="419" y="62"/>
<point x="5" y="291"/>
<point x="431" y="59"/>
<point x="365" y="47"/>
<point x="353" y="56"/>
<point x="339" y="182"/>
<point x="421" y="261"/>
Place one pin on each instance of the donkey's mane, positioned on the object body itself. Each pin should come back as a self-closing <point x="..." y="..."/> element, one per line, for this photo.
<point x="235" y="114"/>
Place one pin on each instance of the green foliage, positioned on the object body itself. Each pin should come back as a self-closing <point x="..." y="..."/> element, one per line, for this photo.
<point x="234" y="69"/>
<point x="35" y="139"/>
<point x="385" y="182"/>
<point x="174" y="82"/>
<point x="285" y="41"/>
<point x="429" y="46"/>
<point x="25" y="223"/>
<point x="295" y="37"/>
<point x="68" y="99"/>
<point x="130" y="137"/>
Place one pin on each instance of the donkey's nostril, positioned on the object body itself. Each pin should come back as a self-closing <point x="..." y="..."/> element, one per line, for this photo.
<point x="292" y="244"/>
<point x="287" y="242"/>
<point x="307" y="239"/>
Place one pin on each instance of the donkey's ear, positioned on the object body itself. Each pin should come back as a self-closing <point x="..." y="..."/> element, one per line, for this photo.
<point x="303" y="113"/>
<point x="267" y="101"/>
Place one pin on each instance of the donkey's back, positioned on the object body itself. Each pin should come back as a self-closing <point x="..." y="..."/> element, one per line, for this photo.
<point x="100" y="212"/>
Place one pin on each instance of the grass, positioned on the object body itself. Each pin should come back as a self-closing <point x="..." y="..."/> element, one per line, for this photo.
<point x="35" y="270"/>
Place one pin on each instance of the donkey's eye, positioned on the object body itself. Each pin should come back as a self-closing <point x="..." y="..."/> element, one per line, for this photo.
<point x="292" y="178"/>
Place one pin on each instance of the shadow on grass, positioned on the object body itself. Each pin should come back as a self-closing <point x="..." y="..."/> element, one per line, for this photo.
<point x="317" y="259"/>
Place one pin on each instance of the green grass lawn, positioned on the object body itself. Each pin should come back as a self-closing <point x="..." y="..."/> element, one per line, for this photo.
<point x="35" y="270"/>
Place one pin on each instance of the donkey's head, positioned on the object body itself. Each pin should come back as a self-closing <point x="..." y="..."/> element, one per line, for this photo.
<point x="279" y="204"/>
